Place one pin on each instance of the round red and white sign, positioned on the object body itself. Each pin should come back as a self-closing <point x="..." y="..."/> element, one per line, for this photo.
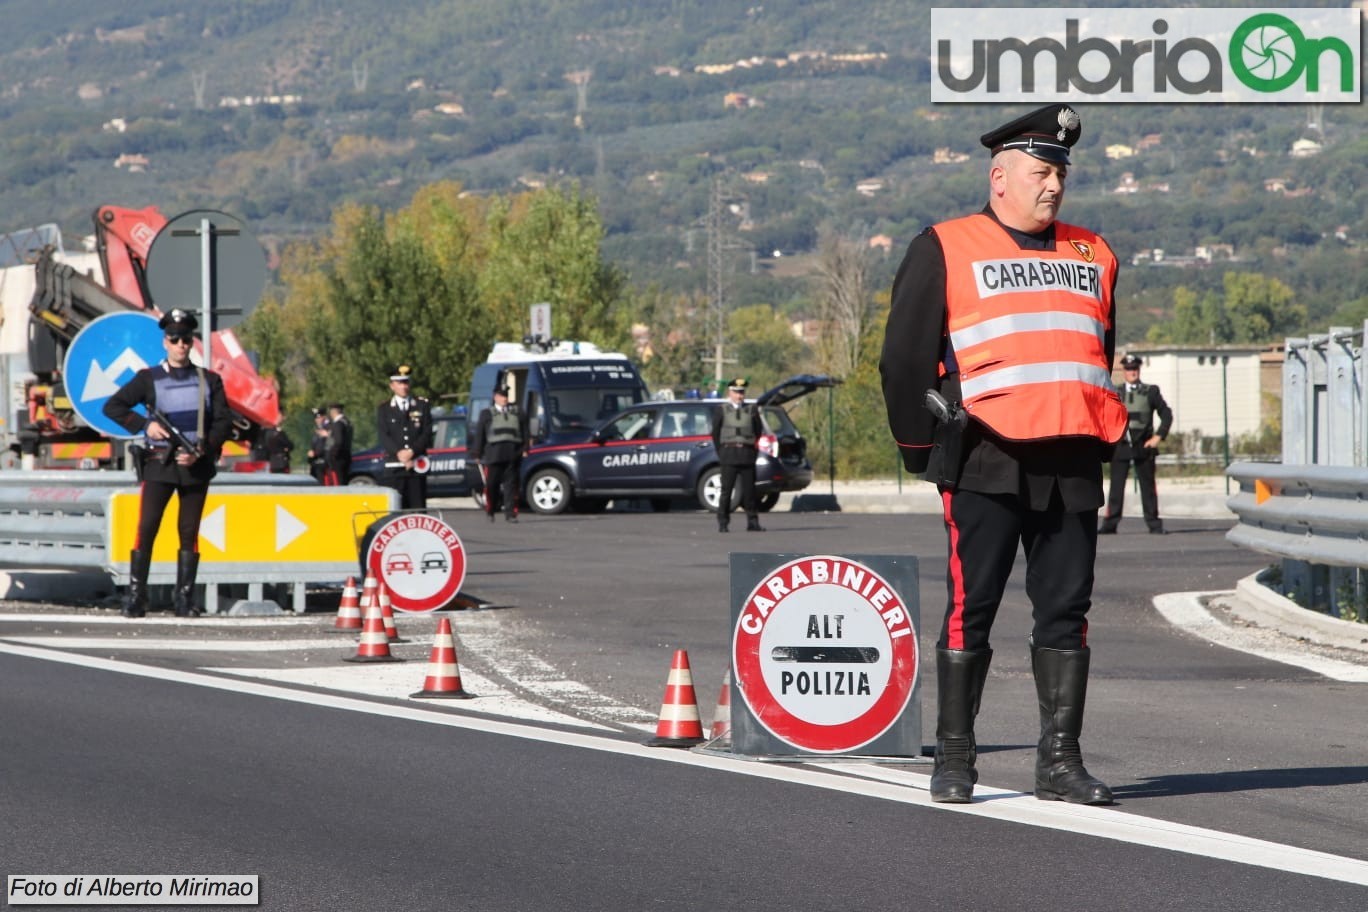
<point x="420" y="560"/>
<point x="825" y="654"/>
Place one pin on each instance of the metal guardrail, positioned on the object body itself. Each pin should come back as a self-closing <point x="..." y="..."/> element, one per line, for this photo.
<point x="1311" y="510"/>
<point x="58" y="519"/>
<point x="1315" y="518"/>
<point x="1307" y="513"/>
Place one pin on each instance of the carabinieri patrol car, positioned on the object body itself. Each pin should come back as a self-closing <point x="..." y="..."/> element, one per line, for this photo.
<point x="662" y="450"/>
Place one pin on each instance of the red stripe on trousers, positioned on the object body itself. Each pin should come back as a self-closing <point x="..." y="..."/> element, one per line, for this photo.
<point x="954" y="624"/>
<point x="137" y="529"/>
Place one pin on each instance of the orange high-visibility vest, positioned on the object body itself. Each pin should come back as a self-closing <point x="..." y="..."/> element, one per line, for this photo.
<point x="1028" y="328"/>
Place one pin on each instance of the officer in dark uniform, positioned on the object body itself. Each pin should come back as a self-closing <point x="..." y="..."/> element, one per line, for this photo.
<point x="1009" y="315"/>
<point x="499" y="443"/>
<point x="192" y="399"/>
<point x="404" y="423"/>
<point x="278" y="447"/>
<point x="1139" y="446"/>
<point x="318" y="445"/>
<point x="339" y="445"/>
<point x="736" y="430"/>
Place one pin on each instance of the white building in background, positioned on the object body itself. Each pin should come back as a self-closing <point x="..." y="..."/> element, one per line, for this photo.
<point x="1206" y="386"/>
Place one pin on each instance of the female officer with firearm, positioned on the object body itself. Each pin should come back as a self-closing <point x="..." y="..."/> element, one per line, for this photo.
<point x="188" y="422"/>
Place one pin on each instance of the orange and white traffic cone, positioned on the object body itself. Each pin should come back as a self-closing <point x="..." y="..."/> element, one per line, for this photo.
<point x="349" y="609"/>
<point x="679" y="725"/>
<point x="374" y="645"/>
<point x="368" y="596"/>
<point x="387" y="613"/>
<point x="721" y="727"/>
<point x="443" y="681"/>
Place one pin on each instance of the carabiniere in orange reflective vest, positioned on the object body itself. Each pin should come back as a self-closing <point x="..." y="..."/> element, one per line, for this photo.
<point x="1027" y="330"/>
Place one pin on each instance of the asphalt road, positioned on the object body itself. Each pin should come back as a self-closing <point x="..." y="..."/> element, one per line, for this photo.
<point x="247" y="746"/>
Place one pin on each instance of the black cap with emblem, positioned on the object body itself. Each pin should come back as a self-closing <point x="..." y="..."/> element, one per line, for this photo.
<point x="178" y="321"/>
<point x="1131" y="362"/>
<point x="1047" y="133"/>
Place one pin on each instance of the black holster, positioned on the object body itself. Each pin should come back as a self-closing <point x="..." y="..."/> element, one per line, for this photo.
<point x="947" y="450"/>
<point x="947" y="454"/>
<point x="137" y="457"/>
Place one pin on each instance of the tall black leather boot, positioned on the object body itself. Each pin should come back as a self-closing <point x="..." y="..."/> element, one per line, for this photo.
<point x="1061" y="677"/>
<point x="135" y="602"/>
<point x="187" y="565"/>
<point x="753" y="524"/>
<point x="960" y="675"/>
<point x="723" y="519"/>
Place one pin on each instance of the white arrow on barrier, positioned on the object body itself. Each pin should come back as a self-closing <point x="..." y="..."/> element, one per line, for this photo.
<point x="101" y="383"/>
<point x="288" y="527"/>
<point x="213" y="528"/>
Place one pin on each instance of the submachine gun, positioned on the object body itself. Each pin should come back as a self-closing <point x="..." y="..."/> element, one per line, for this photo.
<point x="178" y="440"/>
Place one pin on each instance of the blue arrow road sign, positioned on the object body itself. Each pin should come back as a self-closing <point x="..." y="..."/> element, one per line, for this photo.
<point x="103" y="357"/>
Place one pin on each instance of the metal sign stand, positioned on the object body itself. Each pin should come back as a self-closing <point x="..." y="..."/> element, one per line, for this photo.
<point x="824" y="659"/>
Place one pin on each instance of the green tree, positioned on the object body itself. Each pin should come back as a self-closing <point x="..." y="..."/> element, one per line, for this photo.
<point x="544" y="247"/>
<point x="763" y="343"/>
<point x="1253" y="308"/>
<point x="673" y="356"/>
<point x="1199" y="318"/>
<point x="1260" y="308"/>
<point x="388" y="303"/>
<point x="433" y="285"/>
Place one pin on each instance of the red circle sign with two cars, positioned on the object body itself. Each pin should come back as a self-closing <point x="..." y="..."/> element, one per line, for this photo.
<point x="420" y="560"/>
<point x="825" y="654"/>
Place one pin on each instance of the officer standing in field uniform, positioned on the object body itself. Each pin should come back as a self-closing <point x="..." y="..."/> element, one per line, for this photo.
<point x="1009" y="315"/>
<point x="1139" y="445"/>
<point x="404" y="423"/>
<point x="736" y="430"/>
<point x="318" y="445"/>
<point x="192" y="399"/>
<point x="338" y="449"/>
<point x="499" y="442"/>
<point x="278" y="447"/>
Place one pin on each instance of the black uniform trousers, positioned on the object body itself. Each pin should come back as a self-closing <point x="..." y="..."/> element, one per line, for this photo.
<point x="156" y="496"/>
<point x="412" y="488"/>
<point x="501" y="487"/>
<point x="1116" y="495"/>
<point x="983" y="532"/>
<point x="731" y="474"/>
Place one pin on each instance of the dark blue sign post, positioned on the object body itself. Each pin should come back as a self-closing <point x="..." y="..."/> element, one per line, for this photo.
<point x="103" y="357"/>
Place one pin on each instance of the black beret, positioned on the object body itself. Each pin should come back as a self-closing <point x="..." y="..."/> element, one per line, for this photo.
<point x="1048" y="133"/>
<point x="177" y="320"/>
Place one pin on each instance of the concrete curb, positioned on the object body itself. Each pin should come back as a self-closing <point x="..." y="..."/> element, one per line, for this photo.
<point x="55" y="585"/>
<point x="1262" y="605"/>
<point x="1198" y="498"/>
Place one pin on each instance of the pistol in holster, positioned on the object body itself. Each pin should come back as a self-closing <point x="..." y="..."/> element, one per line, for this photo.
<point x="951" y="420"/>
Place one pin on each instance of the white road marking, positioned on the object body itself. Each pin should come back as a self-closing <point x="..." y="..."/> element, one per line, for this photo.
<point x="400" y="680"/>
<point x="168" y="645"/>
<point x="872" y="781"/>
<point x="483" y="633"/>
<point x="208" y="620"/>
<point x="1186" y="611"/>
